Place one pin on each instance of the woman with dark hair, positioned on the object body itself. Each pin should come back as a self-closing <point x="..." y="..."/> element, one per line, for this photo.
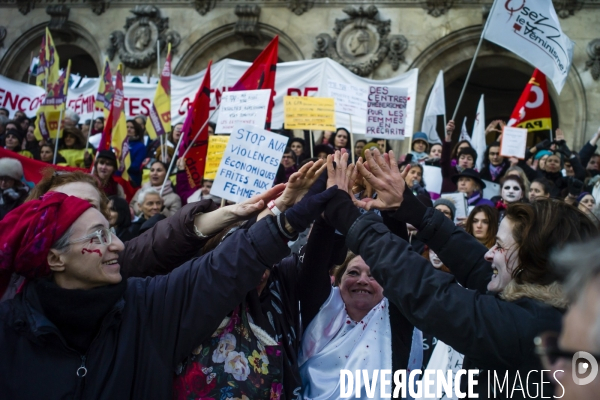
<point x="72" y="148"/>
<point x="287" y="166"/>
<point x="137" y="151"/>
<point x="298" y="147"/>
<point x="98" y="126"/>
<point x="104" y="169"/>
<point x="455" y="161"/>
<point x="13" y="141"/>
<point x="477" y="324"/>
<point x="47" y="155"/>
<point x="340" y="139"/>
<point x="540" y="188"/>
<point x="494" y="165"/>
<point x="482" y="224"/>
<point x="414" y="179"/>
<point x="120" y="217"/>
<point x="31" y="143"/>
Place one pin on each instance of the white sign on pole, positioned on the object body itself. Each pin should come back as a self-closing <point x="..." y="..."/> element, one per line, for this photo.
<point x="386" y="112"/>
<point x="514" y="142"/>
<point x="247" y="107"/>
<point x="432" y="176"/>
<point x="349" y="99"/>
<point x="249" y="164"/>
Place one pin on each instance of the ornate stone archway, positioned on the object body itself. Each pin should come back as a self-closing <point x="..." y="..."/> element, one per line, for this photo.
<point x="223" y="41"/>
<point x="453" y="54"/>
<point x="15" y="62"/>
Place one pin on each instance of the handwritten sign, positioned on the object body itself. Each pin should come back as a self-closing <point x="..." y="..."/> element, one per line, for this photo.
<point x="309" y="113"/>
<point x="244" y="107"/>
<point x="249" y="164"/>
<point x="514" y="142"/>
<point x="460" y="202"/>
<point x="386" y="112"/>
<point x="349" y="99"/>
<point x="216" y="149"/>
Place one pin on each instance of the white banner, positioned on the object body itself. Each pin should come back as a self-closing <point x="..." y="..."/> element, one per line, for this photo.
<point x="246" y="107"/>
<point x="349" y="99"/>
<point x="249" y="164"/>
<point x="532" y="31"/>
<point x="297" y="78"/>
<point x="436" y="105"/>
<point x="20" y="96"/>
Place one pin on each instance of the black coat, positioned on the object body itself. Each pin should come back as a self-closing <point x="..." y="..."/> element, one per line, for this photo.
<point x="145" y="335"/>
<point x="493" y="334"/>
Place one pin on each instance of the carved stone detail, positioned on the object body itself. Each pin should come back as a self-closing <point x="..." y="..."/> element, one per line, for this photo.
<point x="362" y="42"/>
<point x="299" y="7"/>
<point x="203" y="6"/>
<point x="99" y="6"/>
<point x="2" y="35"/>
<point x="25" y="6"/>
<point x="247" y="24"/>
<point x="436" y="8"/>
<point x="593" y="50"/>
<point x="137" y="45"/>
<point x="566" y="8"/>
<point x="59" y="16"/>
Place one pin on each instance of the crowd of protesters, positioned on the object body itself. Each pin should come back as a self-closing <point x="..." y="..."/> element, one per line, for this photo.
<point x="147" y="288"/>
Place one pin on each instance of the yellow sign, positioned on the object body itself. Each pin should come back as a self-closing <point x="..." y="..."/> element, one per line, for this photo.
<point x="216" y="149"/>
<point x="309" y="113"/>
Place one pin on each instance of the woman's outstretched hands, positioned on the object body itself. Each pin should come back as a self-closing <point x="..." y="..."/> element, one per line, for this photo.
<point x="301" y="181"/>
<point x="381" y="171"/>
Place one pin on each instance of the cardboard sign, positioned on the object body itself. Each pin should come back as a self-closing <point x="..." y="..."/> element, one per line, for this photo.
<point x="246" y="107"/>
<point x="214" y="154"/>
<point x="349" y="99"/>
<point x="514" y="142"/>
<point x="432" y="176"/>
<point x="460" y="202"/>
<point x="249" y="164"/>
<point x="309" y="113"/>
<point x="386" y="112"/>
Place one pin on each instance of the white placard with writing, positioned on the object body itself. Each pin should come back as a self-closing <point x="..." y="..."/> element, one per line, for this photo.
<point x="514" y="142"/>
<point x="491" y="189"/>
<point x="386" y="112"/>
<point x="432" y="176"/>
<point x="349" y="99"/>
<point x="249" y="164"/>
<point x="460" y="202"/>
<point x="247" y="107"/>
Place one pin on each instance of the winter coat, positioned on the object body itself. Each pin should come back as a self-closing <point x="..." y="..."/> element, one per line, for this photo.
<point x="137" y="153"/>
<point x="485" y="173"/>
<point x="585" y="155"/>
<point x="448" y="170"/>
<point x="147" y="333"/>
<point x="495" y="333"/>
<point x="142" y="224"/>
<point x="171" y="200"/>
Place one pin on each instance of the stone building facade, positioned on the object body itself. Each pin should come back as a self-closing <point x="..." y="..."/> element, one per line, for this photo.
<point x="376" y="39"/>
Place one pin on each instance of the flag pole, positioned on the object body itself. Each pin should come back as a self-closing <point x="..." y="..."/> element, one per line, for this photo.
<point x="57" y="134"/>
<point x="188" y="148"/>
<point x="30" y="62"/>
<point x="351" y="140"/>
<point x="87" y="143"/>
<point x="462" y="92"/>
<point x="312" y="144"/>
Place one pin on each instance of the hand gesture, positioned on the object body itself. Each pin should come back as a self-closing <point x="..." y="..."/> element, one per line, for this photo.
<point x="560" y="135"/>
<point x="300" y="181"/>
<point x="449" y="130"/>
<point x="180" y="164"/>
<point x="341" y="174"/>
<point x="255" y="204"/>
<point x="381" y="171"/>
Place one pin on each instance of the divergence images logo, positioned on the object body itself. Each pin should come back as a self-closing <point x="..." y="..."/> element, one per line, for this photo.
<point x="581" y="368"/>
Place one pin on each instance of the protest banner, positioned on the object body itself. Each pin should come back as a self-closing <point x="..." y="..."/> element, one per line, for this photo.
<point x="349" y="99"/>
<point x="245" y="107"/>
<point x="386" y="112"/>
<point x="18" y="96"/>
<point x="249" y="164"/>
<point x="432" y="176"/>
<point x="514" y="142"/>
<point x="216" y="149"/>
<point x="309" y="113"/>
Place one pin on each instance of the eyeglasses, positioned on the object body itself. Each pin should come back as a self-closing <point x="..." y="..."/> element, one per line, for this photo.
<point x="546" y="347"/>
<point x="103" y="236"/>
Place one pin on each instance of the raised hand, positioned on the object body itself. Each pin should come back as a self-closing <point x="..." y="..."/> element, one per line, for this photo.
<point x="449" y="130"/>
<point x="255" y="204"/>
<point x="382" y="173"/>
<point x="301" y="181"/>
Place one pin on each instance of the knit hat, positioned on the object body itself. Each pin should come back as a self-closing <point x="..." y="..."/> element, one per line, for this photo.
<point x="542" y="153"/>
<point x="16" y="134"/>
<point x="12" y="168"/>
<point x="447" y="203"/>
<point x="28" y="232"/>
<point x="109" y="155"/>
<point x="420" y="136"/>
<point x="581" y="196"/>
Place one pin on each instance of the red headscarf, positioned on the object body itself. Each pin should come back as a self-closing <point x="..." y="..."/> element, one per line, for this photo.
<point x="28" y="232"/>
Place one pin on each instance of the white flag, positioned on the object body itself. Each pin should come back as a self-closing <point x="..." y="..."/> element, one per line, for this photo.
<point x="436" y="105"/>
<point x="478" y="137"/>
<point x="464" y="135"/>
<point x="532" y="31"/>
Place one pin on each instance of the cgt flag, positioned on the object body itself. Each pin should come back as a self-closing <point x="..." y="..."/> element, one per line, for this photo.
<point x="159" y="119"/>
<point x="532" y="111"/>
<point x="195" y="159"/>
<point x="119" y="141"/>
<point x="106" y="90"/>
<point x="261" y="75"/>
<point x="47" y="122"/>
<point x="531" y="30"/>
<point x="47" y="71"/>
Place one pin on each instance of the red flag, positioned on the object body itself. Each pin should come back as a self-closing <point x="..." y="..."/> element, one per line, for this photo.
<point x="32" y="169"/>
<point x="533" y="108"/>
<point x="195" y="159"/>
<point x="261" y="75"/>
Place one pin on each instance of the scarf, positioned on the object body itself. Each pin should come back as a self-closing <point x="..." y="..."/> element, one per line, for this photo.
<point x="168" y="187"/>
<point x="495" y="172"/>
<point x="418" y="156"/>
<point x="78" y="314"/>
<point x="110" y="187"/>
<point x="474" y="198"/>
<point x="333" y="342"/>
